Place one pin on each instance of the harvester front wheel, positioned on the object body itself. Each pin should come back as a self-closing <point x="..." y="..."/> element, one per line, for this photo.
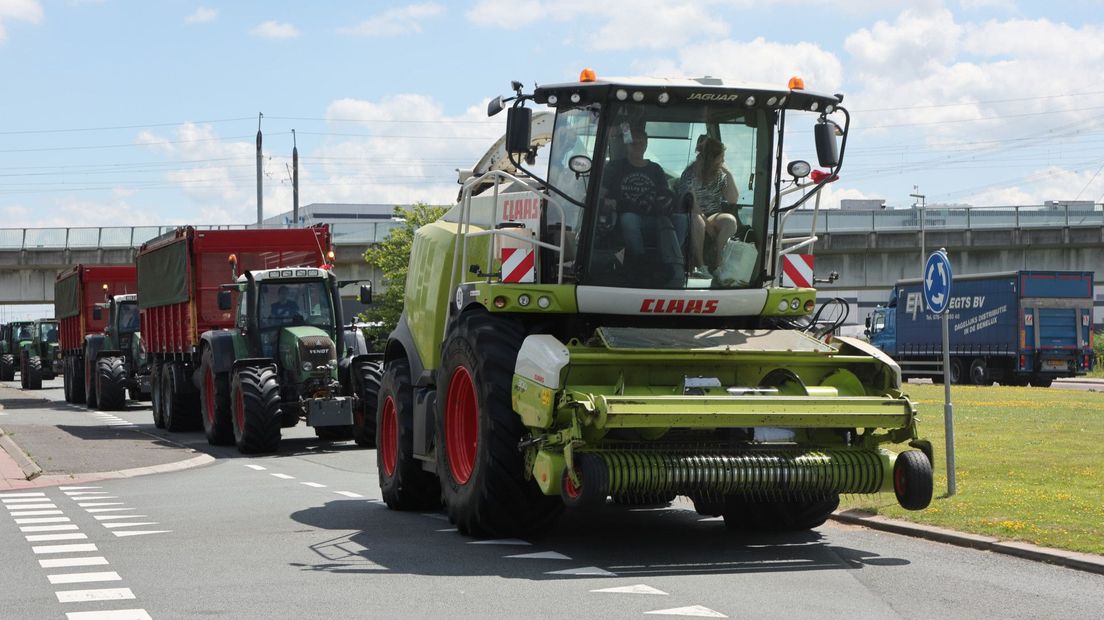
<point x="482" y="471"/>
<point x="593" y="487"/>
<point x="405" y="485"/>
<point x="779" y="515"/>
<point x="256" y="402"/>
<point x="912" y="480"/>
<point x="214" y="402"/>
<point x="366" y="387"/>
<point x="111" y="383"/>
<point x="7" y="367"/>
<point x="34" y="372"/>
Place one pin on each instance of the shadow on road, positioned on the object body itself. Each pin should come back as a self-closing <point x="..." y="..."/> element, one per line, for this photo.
<point x="622" y="541"/>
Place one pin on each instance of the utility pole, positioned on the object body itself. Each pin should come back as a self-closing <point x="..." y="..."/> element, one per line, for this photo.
<point x="294" y="181"/>
<point x="923" y="253"/>
<point x="260" y="193"/>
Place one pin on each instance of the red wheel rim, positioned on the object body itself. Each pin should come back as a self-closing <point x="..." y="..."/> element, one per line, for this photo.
<point x="389" y="437"/>
<point x="569" y="487"/>
<point x="209" y="394"/>
<point x="461" y="425"/>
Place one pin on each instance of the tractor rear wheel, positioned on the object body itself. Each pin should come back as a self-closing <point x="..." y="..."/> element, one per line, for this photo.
<point x="403" y="482"/>
<point x="178" y="406"/>
<point x="778" y="515"/>
<point x="912" y="480"/>
<point x="255" y="395"/>
<point x="214" y="402"/>
<point x="366" y="387"/>
<point x="7" y="367"/>
<point x="483" y="477"/>
<point x="34" y="372"/>
<point x="111" y="383"/>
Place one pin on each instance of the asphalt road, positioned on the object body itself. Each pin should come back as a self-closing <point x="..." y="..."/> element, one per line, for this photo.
<point x="303" y="534"/>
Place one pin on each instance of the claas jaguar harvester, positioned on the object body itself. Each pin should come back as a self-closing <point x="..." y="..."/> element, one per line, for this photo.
<point x="242" y="329"/>
<point x="559" y="345"/>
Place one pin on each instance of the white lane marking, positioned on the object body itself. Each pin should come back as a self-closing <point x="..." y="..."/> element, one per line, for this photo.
<point x="585" y="571"/>
<point x="501" y="541"/>
<point x="49" y="537"/>
<point x="6" y="496"/>
<point x="542" y="555"/>
<point x="450" y="529"/>
<point x="36" y="513"/>
<point x="76" y="493"/>
<point x="256" y="467"/>
<point x="694" y="610"/>
<point x="114" y="614"/>
<point x="94" y="498"/>
<point x="111" y="525"/>
<point x="27" y="529"/>
<point x="92" y="504"/>
<point x="314" y="485"/>
<point x="78" y="488"/>
<point x="139" y="532"/>
<point x="94" y="510"/>
<point x="42" y="520"/>
<point x="283" y="476"/>
<point x="71" y="562"/>
<point x="112" y="517"/>
<point x="348" y="494"/>
<point x="83" y="577"/>
<point x="106" y="594"/>
<point x="27" y="499"/>
<point x="81" y="548"/>
<point x="12" y="507"/>
<point x="637" y="589"/>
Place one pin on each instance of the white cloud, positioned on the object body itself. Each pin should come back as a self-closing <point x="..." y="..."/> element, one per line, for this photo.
<point x="975" y="5"/>
<point x="755" y="61"/>
<point x="19" y="10"/>
<point x="202" y="15"/>
<point x="395" y="22"/>
<point x="1049" y="183"/>
<point x="274" y="30"/>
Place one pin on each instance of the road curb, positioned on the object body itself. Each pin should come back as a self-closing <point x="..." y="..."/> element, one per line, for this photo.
<point x="1071" y="559"/>
<point x="31" y="470"/>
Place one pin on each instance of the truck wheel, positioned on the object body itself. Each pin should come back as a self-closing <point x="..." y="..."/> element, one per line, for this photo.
<point x="7" y="367"/>
<point x="214" y="402"/>
<point x="34" y="373"/>
<point x="956" y="372"/>
<point x="403" y="482"/>
<point x="89" y="379"/>
<point x="593" y="487"/>
<point x="366" y="386"/>
<point x="155" y="396"/>
<point x="483" y="477"/>
<point x="779" y="515"/>
<point x="178" y="404"/>
<point x="912" y="480"/>
<point x="111" y="383"/>
<point x="979" y="373"/>
<point x="256" y="409"/>
<point x="1037" y="381"/>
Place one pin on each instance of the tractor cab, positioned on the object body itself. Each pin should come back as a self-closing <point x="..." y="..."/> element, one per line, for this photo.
<point x="122" y="323"/>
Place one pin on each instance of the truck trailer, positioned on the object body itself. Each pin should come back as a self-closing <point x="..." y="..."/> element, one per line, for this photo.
<point x="1017" y="328"/>
<point x="77" y="292"/>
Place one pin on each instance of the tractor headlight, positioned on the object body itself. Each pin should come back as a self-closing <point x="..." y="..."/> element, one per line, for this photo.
<point x="307" y="366"/>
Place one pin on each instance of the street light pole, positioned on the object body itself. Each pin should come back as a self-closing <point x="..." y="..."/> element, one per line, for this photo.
<point x="920" y="212"/>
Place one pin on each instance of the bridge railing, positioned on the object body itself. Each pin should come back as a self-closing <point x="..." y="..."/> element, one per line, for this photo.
<point x="946" y="218"/>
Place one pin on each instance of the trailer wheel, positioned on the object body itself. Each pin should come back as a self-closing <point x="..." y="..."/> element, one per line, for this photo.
<point x="366" y="387"/>
<point x="178" y="404"/>
<point x="155" y="396"/>
<point x="593" y="485"/>
<point x="1037" y="381"/>
<point x="111" y="383"/>
<point x="483" y="477"/>
<point x="912" y="480"/>
<point x="956" y="372"/>
<point x="34" y="372"/>
<point x="405" y="485"/>
<point x="214" y="402"/>
<point x="979" y="373"/>
<point x="255" y="395"/>
<point x="778" y="515"/>
<point x="7" y="367"/>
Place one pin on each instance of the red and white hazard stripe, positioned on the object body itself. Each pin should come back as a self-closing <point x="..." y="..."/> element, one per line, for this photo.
<point x="518" y="265"/>
<point x="797" y="270"/>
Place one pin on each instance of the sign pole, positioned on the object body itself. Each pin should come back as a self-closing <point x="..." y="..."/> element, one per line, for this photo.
<point x="937" y="296"/>
<point x="948" y="407"/>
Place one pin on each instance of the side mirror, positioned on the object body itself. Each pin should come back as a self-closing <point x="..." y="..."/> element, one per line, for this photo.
<point x="827" y="150"/>
<point x="224" y="300"/>
<point x="518" y="129"/>
<point x="494" y="106"/>
<point x="365" y="296"/>
<point x="867" y="322"/>
<point x="97" y="313"/>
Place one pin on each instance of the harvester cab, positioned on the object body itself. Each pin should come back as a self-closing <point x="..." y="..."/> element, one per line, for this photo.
<point x="16" y="335"/>
<point x="618" y="326"/>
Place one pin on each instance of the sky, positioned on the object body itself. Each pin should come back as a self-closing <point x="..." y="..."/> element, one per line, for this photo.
<point x="118" y="112"/>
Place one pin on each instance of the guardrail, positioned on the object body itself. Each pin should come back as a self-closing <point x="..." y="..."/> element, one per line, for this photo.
<point x="945" y="218"/>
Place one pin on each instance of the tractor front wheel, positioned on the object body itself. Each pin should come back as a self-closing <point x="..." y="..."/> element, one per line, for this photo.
<point x="7" y="367"/>
<point x="403" y="482"/>
<point x="111" y="383"/>
<point x="366" y="387"/>
<point x="34" y="372"/>
<point x="483" y="477"/>
<point x="255" y="395"/>
<point x="214" y="402"/>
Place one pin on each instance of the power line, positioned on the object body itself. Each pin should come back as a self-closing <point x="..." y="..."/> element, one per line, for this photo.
<point x="115" y="127"/>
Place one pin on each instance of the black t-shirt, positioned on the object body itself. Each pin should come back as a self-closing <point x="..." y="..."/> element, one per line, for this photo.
<point x="634" y="188"/>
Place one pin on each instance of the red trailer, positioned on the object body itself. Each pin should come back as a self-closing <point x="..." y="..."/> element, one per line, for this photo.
<point x="77" y="290"/>
<point x="179" y="277"/>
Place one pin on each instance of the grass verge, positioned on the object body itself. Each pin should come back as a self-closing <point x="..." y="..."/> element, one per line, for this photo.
<point x="1030" y="463"/>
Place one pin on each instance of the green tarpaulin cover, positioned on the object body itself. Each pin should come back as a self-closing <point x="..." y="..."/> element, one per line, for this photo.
<point x="67" y="297"/>
<point x="162" y="276"/>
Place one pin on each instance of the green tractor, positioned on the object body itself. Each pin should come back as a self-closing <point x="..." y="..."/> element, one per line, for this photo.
<point x="281" y="363"/>
<point x="40" y="355"/>
<point x="618" y="328"/>
<point x="13" y="337"/>
<point x="118" y="363"/>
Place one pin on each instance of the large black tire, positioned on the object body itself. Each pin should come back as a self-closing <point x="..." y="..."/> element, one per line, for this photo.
<point x="403" y="482"/>
<point x="255" y="398"/>
<point x="7" y="367"/>
<point x="1037" y="381"/>
<point x="23" y="370"/>
<point x="76" y="368"/>
<point x="912" y="480"/>
<point x="979" y="373"/>
<point x="179" y="405"/>
<point x="155" y="396"/>
<point x="111" y="383"/>
<point x="957" y="375"/>
<point x="365" y="378"/>
<point x="778" y="515"/>
<point x="482" y="472"/>
<point x="88" y="369"/>
<point x="593" y="487"/>
<point x="34" y="373"/>
<point x="67" y="379"/>
<point x="214" y="402"/>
